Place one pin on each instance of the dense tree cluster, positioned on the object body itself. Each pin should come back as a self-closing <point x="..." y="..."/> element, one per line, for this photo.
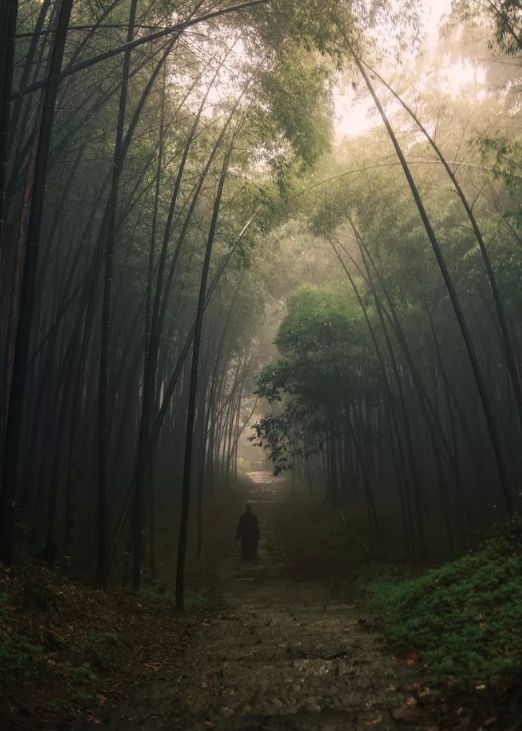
<point x="153" y="159"/>
<point x="143" y="145"/>
<point x="398" y="385"/>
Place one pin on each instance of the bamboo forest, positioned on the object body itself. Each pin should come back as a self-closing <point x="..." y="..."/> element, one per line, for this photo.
<point x="261" y="365"/>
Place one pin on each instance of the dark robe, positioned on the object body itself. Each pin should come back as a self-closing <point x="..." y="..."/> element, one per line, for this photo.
<point x="248" y="533"/>
<point x="49" y="553"/>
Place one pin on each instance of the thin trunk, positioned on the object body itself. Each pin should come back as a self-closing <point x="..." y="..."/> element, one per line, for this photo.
<point x="8" y="15"/>
<point x="507" y="342"/>
<point x="156" y="329"/>
<point x="400" y="460"/>
<point x="173" y="30"/>
<point x="27" y="294"/>
<point x="110" y="243"/>
<point x="189" y="437"/>
<point x="170" y="385"/>
<point x="459" y="313"/>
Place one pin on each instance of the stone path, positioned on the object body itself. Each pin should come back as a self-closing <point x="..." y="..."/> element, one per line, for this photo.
<point x="288" y="657"/>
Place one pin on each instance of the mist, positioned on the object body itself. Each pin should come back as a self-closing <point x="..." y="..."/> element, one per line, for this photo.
<point x="261" y="254"/>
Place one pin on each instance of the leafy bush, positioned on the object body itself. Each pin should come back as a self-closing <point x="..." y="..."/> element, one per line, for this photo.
<point x="37" y="594"/>
<point x="102" y="650"/>
<point x="465" y="618"/>
<point x="20" y="657"/>
<point x="208" y="601"/>
<point x="79" y="674"/>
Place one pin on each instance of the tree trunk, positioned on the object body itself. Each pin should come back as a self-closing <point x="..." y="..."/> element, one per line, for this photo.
<point x="8" y="15"/>
<point x="110" y="243"/>
<point x="506" y="339"/>
<point x="27" y="294"/>
<point x="189" y="437"/>
<point x="459" y="313"/>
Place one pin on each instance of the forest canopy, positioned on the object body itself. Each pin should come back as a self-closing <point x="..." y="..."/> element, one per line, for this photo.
<point x="176" y="194"/>
<point x="261" y="364"/>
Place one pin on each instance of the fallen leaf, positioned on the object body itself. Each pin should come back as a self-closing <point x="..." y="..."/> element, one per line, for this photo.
<point x="374" y="722"/>
<point x="407" y="715"/>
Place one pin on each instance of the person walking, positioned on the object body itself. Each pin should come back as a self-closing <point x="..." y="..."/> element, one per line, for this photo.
<point x="248" y="533"/>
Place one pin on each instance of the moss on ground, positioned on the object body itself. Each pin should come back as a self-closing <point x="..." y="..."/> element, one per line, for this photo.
<point x="463" y="619"/>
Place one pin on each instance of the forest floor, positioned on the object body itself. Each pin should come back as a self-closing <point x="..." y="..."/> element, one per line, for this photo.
<point x="285" y="652"/>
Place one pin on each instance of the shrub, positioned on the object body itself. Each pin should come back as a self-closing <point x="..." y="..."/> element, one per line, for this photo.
<point x="20" y="657"/>
<point x="465" y="618"/>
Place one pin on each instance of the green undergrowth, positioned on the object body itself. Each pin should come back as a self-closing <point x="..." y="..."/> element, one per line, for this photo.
<point x="68" y="650"/>
<point x="203" y="601"/>
<point x="463" y="619"/>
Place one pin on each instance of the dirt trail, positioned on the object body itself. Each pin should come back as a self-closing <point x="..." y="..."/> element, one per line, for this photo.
<point x="286" y="657"/>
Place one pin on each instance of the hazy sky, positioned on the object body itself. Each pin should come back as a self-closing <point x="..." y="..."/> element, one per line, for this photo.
<point x="434" y="10"/>
<point x="351" y="116"/>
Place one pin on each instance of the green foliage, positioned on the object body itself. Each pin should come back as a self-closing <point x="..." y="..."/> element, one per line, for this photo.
<point x="208" y="601"/>
<point x="325" y="25"/>
<point x="37" y="594"/>
<point x="326" y="363"/>
<point x="102" y="650"/>
<point x="505" y="157"/>
<point x="297" y="90"/>
<point x="20" y="657"/>
<point x="464" y="618"/>
<point x="82" y="674"/>
<point x="298" y="431"/>
<point x="505" y="17"/>
<point x="323" y="343"/>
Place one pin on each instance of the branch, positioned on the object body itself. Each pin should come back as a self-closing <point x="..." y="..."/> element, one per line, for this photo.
<point x="177" y="29"/>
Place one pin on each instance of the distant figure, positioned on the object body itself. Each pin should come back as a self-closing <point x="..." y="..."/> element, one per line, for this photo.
<point x="49" y="553"/>
<point x="248" y="533"/>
